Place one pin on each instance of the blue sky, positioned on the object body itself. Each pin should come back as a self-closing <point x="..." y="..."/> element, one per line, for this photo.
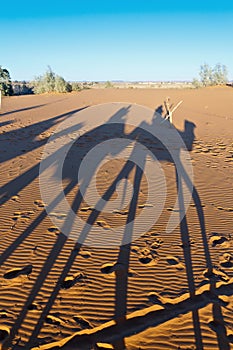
<point x="115" y="39"/>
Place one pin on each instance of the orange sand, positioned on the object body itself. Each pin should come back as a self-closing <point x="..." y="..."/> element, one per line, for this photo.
<point x="164" y="291"/>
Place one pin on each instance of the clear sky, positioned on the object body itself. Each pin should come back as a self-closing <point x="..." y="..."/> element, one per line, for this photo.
<point x="115" y="39"/>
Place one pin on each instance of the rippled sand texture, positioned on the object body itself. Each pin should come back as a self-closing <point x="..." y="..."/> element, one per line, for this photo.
<point x="163" y="291"/>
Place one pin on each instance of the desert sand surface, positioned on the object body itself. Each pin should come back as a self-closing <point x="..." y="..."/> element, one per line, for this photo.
<point x="162" y="291"/>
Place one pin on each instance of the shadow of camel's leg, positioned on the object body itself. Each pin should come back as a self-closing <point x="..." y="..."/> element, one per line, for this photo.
<point x="34" y="224"/>
<point x="123" y="261"/>
<point x="92" y="218"/>
<point x="188" y="261"/>
<point x="33" y="172"/>
<point x="223" y="340"/>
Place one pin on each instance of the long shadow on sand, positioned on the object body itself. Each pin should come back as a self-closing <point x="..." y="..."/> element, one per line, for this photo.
<point x="26" y="108"/>
<point x="20" y="182"/>
<point x="122" y="327"/>
<point x="21" y="110"/>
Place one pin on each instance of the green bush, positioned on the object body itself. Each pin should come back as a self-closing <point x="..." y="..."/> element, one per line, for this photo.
<point x="219" y="74"/>
<point x="196" y="83"/>
<point x="51" y="82"/>
<point x="76" y="86"/>
<point x="206" y="75"/>
<point x="86" y="85"/>
<point x="108" y="84"/>
<point x="5" y="82"/>
<point x="22" y="88"/>
<point x="61" y="85"/>
<point x="211" y="76"/>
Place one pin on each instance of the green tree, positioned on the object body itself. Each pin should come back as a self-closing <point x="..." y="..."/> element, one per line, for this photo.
<point x="61" y="85"/>
<point x="211" y="76"/>
<point x="206" y="74"/>
<point x="108" y="84"/>
<point x="219" y="74"/>
<point x="51" y="82"/>
<point x="45" y="83"/>
<point x="196" y="83"/>
<point x="76" y="86"/>
<point x="5" y="82"/>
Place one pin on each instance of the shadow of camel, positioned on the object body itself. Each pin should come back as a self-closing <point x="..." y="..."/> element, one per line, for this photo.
<point x="121" y="268"/>
<point x="16" y="185"/>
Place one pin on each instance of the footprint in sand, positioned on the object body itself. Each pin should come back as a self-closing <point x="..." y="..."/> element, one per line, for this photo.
<point x="205" y="150"/>
<point x="156" y="244"/>
<point x="220" y="208"/>
<point x="219" y="241"/>
<point x="33" y="306"/>
<point x="85" y="209"/>
<point x="6" y="314"/>
<point x="54" y="229"/>
<point x="145" y="258"/>
<point x="39" y="203"/>
<point x="103" y="224"/>
<point x="163" y="301"/>
<point x="3" y="314"/>
<point x="23" y="216"/>
<point x="85" y="254"/>
<point x="148" y="255"/>
<point x="70" y="281"/>
<point x="111" y="268"/>
<point x="15" y="198"/>
<point x="153" y="234"/>
<point x="145" y="205"/>
<point x="27" y="270"/>
<point x="82" y="322"/>
<point x="229" y="209"/>
<point x="225" y="209"/>
<point x="155" y="298"/>
<point x="216" y="274"/>
<point x="54" y="320"/>
<point x="174" y="261"/>
<point x="4" y="333"/>
<point x="121" y="212"/>
<point x="226" y="260"/>
<point x="135" y="249"/>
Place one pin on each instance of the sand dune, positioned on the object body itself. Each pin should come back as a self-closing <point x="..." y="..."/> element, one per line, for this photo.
<point x="163" y="291"/>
